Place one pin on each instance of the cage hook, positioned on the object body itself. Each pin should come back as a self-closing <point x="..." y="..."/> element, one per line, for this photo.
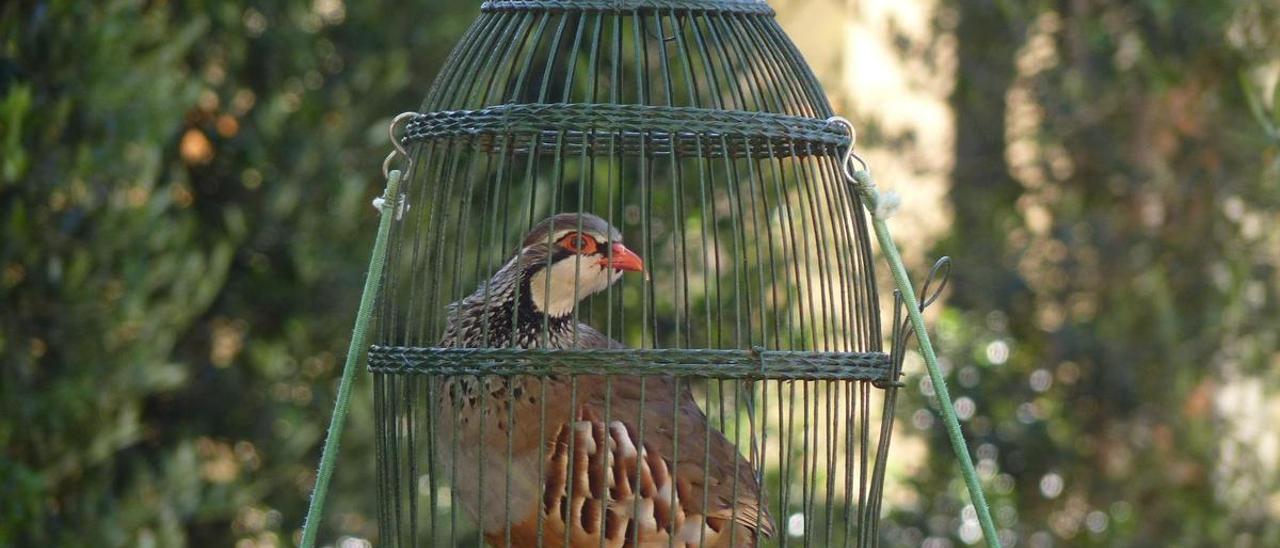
<point x="941" y="271"/>
<point x="399" y="150"/>
<point x="882" y="205"/>
<point x="846" y="162"/>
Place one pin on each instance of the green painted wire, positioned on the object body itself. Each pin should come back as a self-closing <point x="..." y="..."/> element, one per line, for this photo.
<point x="329" y="456"/>
<point x="866" y="187"/>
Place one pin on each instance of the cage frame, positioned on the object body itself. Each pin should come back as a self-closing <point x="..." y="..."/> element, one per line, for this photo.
<point x="793" y="124"/>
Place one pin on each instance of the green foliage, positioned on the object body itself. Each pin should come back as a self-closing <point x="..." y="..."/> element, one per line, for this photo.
<point x="184" y="194"/>
<point x="1115" y="304"/>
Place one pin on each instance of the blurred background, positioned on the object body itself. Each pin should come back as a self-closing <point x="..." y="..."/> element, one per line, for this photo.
<point x="184" y="192"/>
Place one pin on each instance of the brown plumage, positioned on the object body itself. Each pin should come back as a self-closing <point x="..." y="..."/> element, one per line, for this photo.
<point x="571" y="470"/>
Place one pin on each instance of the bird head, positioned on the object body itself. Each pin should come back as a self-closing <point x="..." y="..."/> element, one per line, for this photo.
<point x="570" y="256"/>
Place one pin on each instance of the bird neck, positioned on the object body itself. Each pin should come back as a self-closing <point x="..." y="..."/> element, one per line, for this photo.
<point x="504" y="308"/>
<point x="532" y="322"/>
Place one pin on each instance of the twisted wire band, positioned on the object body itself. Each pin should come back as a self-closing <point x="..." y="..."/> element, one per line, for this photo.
<point x="754" y="7"/>
<point x="873" y="367"/>
<point x="631" y="129"/>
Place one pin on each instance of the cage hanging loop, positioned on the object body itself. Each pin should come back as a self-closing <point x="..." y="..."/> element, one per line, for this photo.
<point x="395" y="142"/>
<point x="402" y="204"/>
<point x="846" y="161"/>
<point x="883" y="205"/>
<point x="941" y="272"/>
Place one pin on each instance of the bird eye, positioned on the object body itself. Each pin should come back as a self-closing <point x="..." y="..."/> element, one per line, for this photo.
<point x="579" y="243"/>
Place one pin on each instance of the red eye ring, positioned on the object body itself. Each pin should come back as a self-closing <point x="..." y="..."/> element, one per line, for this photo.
<point x="578" y="243"/>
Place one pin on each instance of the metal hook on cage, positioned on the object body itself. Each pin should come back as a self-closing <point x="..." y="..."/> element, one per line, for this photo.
<point x="941" y="273"/>
<point x="399" y="148"/>
<point x="882" y="205"/>
<point x="846" y="161"/>
<point x="386" y="163"/>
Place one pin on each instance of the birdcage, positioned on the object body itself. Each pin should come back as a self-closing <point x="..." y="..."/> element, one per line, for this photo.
<point x="729" y="387"/>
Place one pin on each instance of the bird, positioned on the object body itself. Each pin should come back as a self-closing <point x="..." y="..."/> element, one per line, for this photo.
<point x="561" y="462"/>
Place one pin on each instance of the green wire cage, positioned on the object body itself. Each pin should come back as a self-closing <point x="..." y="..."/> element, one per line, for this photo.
<point x="531" y="390"/>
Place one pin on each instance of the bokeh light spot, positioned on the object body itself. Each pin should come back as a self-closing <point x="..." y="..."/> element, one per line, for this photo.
<point x="1041" y="380"/>
<point x="1096" y="521"/>
<point x="795" y="525"/>
<point x="965" y="408"/>
<point x="997" y="352"/>
<point x="922" y="419"/>
<point x="1051" y="485"/>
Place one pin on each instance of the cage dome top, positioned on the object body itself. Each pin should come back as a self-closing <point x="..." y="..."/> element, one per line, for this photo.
<point x="657" y="52"/>
<point x="694" y="127"/>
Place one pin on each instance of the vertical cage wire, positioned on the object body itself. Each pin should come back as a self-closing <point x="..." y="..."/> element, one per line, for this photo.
<point x="695" y="129"/>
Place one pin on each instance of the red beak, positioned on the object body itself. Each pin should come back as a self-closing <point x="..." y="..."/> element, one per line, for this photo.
<point x="623" y="259"/>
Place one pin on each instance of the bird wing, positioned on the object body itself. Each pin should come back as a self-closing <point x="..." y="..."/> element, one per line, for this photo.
<point x="631" y="479"/>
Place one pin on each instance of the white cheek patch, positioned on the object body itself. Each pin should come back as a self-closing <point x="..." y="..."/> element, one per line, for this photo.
<point x="559" y="297"/>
